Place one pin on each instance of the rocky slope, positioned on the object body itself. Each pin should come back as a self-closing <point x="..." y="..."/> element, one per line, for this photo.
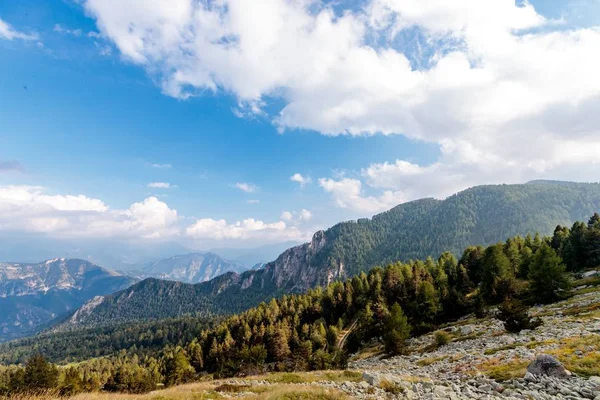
<point x="482" y="361"/>
<point x="417" y="229"/>
<point x="189" y="268"/>
<point x="32" y="295"/>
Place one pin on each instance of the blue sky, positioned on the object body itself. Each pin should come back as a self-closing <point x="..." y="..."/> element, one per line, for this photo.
<point x="82" y="113"/>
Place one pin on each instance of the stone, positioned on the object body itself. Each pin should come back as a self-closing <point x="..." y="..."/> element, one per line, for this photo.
<point x="363" y="385"/>
<point x="466" y="330"/>
<point x="371" y="378"/>
<point x="546" y="365"/>
<point x="595" y="379"/>
<point x="590" y="274"/>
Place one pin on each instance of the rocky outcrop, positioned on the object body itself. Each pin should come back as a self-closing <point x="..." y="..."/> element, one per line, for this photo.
<point x="546" y="365"/>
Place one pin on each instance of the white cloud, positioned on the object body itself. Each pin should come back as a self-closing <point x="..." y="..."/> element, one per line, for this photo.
<point x="9" y="33"/>
<point x="161" y="166"/>
<point x="160" y="185"/>
<point x="286" y="216"/>
<point x="504" y="92"/>
<point x="30" y="209"/>
<point x="296" y="217"/>
<point x="348" y="193"/>
<point x="246" y="187"/>
<point x="253" y="201"/>
<point x="250" y="228"/>
<point x="74" y="32"/>
<point x="302" y="180"/>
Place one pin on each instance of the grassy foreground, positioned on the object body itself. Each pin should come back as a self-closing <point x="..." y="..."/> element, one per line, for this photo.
<point x="280" y="386"/>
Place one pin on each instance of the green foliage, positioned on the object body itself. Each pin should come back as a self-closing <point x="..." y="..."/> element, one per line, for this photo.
<point x="479" y="307"/>
<point x="497" y="270"/>
<point x="177" y="368"/>
<point x="398" y="330"/>
<point x="548" y="280"/>
<point x="441" y="338"/>
<point x="515" y="316"/>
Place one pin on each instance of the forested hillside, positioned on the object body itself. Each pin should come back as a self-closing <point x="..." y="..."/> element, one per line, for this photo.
<point x="418" y="229"/>
<point x="300" y="332"/>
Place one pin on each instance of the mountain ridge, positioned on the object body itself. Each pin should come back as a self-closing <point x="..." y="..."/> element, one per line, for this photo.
<point x="193" y="267"/>
<point x="34" y="294"/>
<point x="425" y="227"/>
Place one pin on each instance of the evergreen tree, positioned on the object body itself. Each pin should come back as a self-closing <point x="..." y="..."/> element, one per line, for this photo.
<point x="496" y="266"/>
<point x="178" y="368"/>
<point x="548" y="280"/>
<point x="397" y="331"/>
<point x="39" y="374"/>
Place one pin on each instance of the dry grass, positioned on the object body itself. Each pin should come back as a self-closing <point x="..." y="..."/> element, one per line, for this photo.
<point x="308" y="377"/>
<point x="580" y="355"/>
<point x="391" y="387"/>
<point x="430" y="360"/>
<point x="530" y="345"/>
<point x="502" y="370"/>
<point x="203" y="391"/>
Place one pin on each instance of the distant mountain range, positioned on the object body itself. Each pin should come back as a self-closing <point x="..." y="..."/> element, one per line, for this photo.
<point x="190" y="268"/>
<point x="417" y="229"/>
<point x="32" y="295"/>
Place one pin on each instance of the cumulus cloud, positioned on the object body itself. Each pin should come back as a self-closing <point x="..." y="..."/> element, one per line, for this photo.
<point x="503" y="91"/>
<point x="9" y="33"/>
<point x="250" y="228"/>
<point x="296" y="216"/>
<point x="246" y="187"/>
<point x="302" y="180"/>
<point x="30" y="209"/>
<point x="160" y="185"/>
<point x="348" y="193"/>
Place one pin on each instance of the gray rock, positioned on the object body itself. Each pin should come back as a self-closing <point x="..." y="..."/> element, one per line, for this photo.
<point x="546" y="365"/>
<point x="466" y="330"/>
<point x="371" y="378"/>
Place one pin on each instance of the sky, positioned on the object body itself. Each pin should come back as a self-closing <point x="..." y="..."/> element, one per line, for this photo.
<point x="232" y="123"/>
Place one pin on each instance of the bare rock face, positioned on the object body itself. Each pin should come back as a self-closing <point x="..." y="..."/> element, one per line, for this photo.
<point x="547" y="365"/>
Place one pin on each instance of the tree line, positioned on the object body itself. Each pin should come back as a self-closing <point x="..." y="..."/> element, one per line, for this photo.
<point x="387" y="305"/>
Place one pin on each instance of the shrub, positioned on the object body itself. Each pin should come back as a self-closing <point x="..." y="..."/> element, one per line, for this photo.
<point x="515" y="316"/>
<point x="441" y="338"/>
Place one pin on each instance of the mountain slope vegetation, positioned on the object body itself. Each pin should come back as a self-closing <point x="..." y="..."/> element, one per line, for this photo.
<point x="306" y="332"/>
<point x="418" y="229"/>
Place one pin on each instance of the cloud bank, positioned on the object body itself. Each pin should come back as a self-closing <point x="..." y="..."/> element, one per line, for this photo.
<point x="507" y="94"/>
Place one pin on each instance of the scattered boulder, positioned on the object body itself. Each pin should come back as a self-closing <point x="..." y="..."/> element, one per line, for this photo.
<point x="371" y="378"/>
<point x="466" y="330"/>
<point x="545" y="364"/>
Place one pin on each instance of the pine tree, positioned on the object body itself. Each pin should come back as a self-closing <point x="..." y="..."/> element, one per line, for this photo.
<point x="39" y="374"/>
<point x="548" y="280"/>
<point x="397" y="331"/>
